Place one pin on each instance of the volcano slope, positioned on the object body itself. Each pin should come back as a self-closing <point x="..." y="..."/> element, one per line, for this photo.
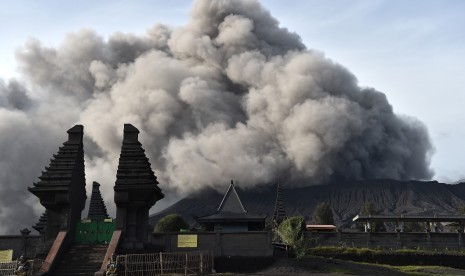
<point x="345" y="199"/>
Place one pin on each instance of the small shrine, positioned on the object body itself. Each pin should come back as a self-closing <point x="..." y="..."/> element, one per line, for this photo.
<point x="231" y="216"/>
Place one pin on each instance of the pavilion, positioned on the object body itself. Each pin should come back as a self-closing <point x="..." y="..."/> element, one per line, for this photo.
<point x="231" y="216"/>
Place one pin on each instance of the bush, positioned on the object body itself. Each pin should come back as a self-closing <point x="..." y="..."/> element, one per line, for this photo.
<point x="392" y="257"/>
<point x="171" y="223"/>
<point x="291" y="233"/>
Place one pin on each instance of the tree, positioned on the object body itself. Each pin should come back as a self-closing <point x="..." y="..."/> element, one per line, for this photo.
<point x="171" y="223"/>
<point x="291" y="231"/>
<point x="323" y="214"/>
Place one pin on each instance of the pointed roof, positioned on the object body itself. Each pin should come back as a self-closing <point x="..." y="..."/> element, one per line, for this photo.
<point x="230" y="209"/>
<point x="231" y="202"/>
<point x="279" y="213"/>
<point x="97" y="208"/>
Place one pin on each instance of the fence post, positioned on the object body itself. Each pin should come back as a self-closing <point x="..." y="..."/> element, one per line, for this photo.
<point x="161" y="263"/>
<point x="126" y="266"/>
<point x="185" y="268"/>
<point x="212" y="256"/>
<point x="201" y="262"/>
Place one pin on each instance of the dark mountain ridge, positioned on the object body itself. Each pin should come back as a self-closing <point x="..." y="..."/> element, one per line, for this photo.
<point x="345" y="199"/>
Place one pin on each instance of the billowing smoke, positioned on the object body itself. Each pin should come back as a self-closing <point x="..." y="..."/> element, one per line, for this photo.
<point x="231" y="95"/>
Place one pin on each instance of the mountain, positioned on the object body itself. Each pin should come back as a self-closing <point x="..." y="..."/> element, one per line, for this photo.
<point x="345" y="199"/>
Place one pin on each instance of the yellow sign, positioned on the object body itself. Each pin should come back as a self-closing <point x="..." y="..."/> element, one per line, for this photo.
<point x="187" y="240"/>
<point x="6" y="256"/>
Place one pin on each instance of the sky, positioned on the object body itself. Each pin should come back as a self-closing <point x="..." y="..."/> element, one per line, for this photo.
<point x="413" y="51"/>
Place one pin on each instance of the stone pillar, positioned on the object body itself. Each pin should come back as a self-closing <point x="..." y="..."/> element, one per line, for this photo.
<point x="24" y="233"/>
<point x="368" y="239"/>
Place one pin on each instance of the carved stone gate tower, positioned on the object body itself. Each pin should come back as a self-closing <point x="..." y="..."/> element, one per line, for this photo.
<point x="136" y="190"/>
<point x="62" y="186"/>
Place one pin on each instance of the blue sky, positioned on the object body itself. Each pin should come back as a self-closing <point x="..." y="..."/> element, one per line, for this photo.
<point x="413" y="51"/>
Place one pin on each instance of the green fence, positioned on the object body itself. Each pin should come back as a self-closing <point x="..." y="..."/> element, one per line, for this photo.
<point x="91" y="232"/>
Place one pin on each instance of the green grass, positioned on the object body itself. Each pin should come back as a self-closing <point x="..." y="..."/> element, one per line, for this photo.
<point x="428" y="270"/>
<point x="365" y="251"/>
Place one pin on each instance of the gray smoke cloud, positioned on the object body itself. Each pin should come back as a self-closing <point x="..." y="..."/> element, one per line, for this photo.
<point x="230" y="95"/>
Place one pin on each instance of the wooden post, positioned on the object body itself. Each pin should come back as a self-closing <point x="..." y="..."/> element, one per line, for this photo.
<point x="126" y="265"/>
<point x="201" y="262"/>
<point x="161" y="263"/>
<point x="185" y="268"/>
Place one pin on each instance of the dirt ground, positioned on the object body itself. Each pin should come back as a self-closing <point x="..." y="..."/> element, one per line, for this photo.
<point x="322" y="266"/>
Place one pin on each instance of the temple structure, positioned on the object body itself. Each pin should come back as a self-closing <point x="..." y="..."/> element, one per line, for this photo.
<point x="136" y="190"/>
<point x="62" y="186"/>
<point x="231" y="216"/>
<point x="97" y="208"/>
<point x="279" y="213"/>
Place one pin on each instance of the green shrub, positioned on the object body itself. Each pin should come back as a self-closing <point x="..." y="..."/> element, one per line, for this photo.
<point x="171" y="223"/>
<point x="291" y="233"/>
<point x="397" y="257"/>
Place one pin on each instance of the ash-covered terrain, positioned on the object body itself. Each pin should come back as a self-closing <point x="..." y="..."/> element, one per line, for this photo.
<point x="389" y="197"/>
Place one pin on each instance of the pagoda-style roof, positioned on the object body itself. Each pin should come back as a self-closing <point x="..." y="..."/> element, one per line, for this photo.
<point x="279" y="213"/>
<point x="66" y="167"/>
<point x="62" y="186"/>
<point x="135" y="174"/>
<point x="230" y="210"/>
<point x="136" y="191"/>
<point x="42" y="223"/>
<point x="97" y="208"/>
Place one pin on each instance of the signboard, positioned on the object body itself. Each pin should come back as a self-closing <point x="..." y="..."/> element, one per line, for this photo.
<point x="187" y="240"/>
<point x="6" y="256"/>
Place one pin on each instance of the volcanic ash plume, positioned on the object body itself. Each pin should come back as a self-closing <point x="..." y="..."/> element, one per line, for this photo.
<point x="231" y="95"/>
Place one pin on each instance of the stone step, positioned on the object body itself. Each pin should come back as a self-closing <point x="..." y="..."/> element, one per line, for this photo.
<point x="76" y="269"/>
<point x="73" y="274"/>
<point x="81" y="260"/>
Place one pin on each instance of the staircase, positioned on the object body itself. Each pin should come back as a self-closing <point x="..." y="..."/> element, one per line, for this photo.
<point x="82" y="260"/>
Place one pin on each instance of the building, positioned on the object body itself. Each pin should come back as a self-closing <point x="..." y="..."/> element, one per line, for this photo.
<point x="231" y="216"/>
